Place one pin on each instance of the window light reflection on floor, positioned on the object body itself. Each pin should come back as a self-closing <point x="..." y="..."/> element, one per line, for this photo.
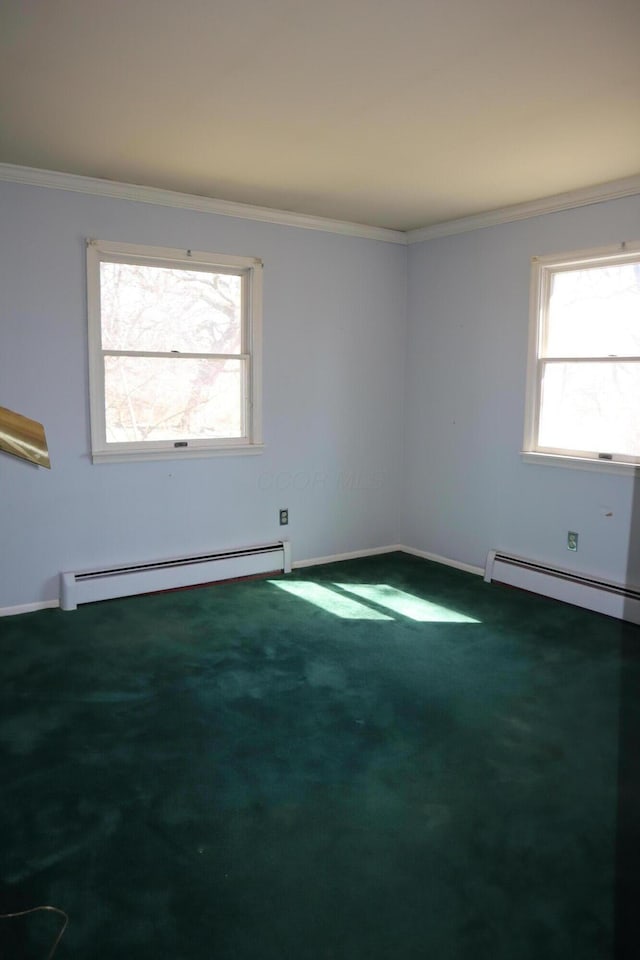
<point x="406" y="604"/>
<point x="333" y="600"/>
<point x="330" y="600"/>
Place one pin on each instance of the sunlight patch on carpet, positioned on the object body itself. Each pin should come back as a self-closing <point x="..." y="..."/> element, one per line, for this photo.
<point x="330" y="600"/>
<point x="406" y="604"/>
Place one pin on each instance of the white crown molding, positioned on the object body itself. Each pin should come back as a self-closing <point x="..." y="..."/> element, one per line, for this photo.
<point x="613" y="190"/>
<point x="187" y="201"/>
<point x="75" y="183"/>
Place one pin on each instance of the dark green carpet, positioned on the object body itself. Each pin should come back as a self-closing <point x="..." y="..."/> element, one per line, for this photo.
<point x="234" y="773"/>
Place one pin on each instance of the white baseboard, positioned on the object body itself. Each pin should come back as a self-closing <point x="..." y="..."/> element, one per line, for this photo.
<point x="393" y="548"/>
<point x="28" y="607"/>
<point x="352" y="555"/>
<point x="467" y="567"/>
<point x="312" y="562"/>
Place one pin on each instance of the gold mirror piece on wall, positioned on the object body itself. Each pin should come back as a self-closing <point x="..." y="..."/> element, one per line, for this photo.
<point x="23" y="438"/>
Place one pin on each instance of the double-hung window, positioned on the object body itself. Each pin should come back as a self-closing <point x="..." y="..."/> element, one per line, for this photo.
<point x="583" y="395"/>
<point x="174" y="352"/>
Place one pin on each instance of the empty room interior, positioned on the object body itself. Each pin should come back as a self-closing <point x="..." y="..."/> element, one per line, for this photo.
<point x="319" y="446"/>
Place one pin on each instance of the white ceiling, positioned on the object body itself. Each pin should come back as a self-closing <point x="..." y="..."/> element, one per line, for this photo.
<point x="397" y="114"/>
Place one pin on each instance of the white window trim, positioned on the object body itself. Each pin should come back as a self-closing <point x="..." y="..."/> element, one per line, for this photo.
<point x="541" y="269"/>
<point x="99" y="250"/>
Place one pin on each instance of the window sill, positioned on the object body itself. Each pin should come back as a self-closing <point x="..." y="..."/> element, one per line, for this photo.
<point x="181" y="453"/>
<point x="582" y="463"/>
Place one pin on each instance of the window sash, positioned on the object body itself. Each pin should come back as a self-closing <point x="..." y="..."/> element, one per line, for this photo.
<point x="543" y="269"/>
<point x="611" y="449"/>
<point x="175" y="355"/>
<point x="250" y="271"/>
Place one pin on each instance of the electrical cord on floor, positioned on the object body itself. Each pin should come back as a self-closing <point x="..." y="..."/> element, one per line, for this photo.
<point x="24" y="913"/>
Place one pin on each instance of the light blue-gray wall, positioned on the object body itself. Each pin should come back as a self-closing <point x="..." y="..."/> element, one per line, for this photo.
<point x="388" y="417"/>
<point x="334" y="320"/>
<point x="466" y="489"/>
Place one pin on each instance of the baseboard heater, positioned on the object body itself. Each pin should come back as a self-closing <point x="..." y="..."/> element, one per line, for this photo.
<point x="128" y="580"/>
<point x="613" y="599"/>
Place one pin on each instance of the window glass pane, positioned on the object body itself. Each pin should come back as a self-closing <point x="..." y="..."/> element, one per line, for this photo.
<point x="592" y="407"/>
<point x="164" y="309"/>
<point x="594" y="312"/>
<point x="153" y="398"/>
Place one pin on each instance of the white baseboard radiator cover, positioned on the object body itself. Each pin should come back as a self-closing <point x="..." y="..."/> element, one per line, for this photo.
<point x="127" y="580"/>
<point x="613" y="599"/>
